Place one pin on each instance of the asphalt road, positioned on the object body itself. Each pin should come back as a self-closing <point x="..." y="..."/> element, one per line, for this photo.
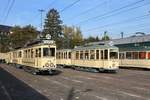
<point x="16" y="84"/>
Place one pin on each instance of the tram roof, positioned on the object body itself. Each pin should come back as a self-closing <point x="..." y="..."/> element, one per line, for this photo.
<point x="95" y="47"/>
<point x="64" y="50"/>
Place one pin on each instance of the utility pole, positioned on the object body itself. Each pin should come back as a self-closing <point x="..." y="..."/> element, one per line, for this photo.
<point x="41" y="11"/>
<point x="122" y="35"/>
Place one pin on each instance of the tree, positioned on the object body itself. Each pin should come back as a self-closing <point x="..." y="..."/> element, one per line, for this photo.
<point x="105" y="37"/>
<point x="72" y="37"/>
<point x="91" y="39"/>
<point x="4" y="43"/>
<point x="21" y="35"/>
<point x="53" y="24"/>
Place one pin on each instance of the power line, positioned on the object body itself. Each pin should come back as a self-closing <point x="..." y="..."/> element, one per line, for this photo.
<point x="69" y="6"/>
<point x="7" y="5"/>
<point x="88" y="10"/>
<point x="124" y="11"/>
<point x="107" y="13"/>
<point x="121" y="22"/>
<point x="9" y="9"/>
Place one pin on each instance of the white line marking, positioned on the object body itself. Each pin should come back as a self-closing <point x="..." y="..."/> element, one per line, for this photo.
<point x="72" y="79"/>
<point x="5" y="91"/>
<point x="130" y="94"/>
<point x="140" y="88"/>
<point x="59" y="83"/>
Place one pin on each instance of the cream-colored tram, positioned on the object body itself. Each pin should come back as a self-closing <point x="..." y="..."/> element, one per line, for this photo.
<point x="135" y="58"/>
<point x="64" y="57"/>
<point x="37" y="56"/>
<point x="99" y="57"/>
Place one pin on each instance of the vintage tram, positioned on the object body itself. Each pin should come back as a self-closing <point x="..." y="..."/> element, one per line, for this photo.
<point x="37" y="56"/>
<point x="100" y="57"/>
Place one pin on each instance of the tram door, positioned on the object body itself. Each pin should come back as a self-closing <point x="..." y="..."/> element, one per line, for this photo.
<point x="37" y="56"/>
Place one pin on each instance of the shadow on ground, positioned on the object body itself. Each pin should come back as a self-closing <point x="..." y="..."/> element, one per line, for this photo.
<point x="13" y="89"/>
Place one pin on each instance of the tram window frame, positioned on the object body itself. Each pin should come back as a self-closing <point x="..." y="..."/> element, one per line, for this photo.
<point x="81" y="55"/>
<point x="77" y="55"/>
<point x="97" y="54"/>
<point x="142" y="56"/>
<point x="113" y="55"/>
<point x="102" y="54"/>
<point x="135" y="55"/>
<point x="52" y="52"/>
<point x="69" y="55"/>
<point x="86" y="54"/>
<point x="32" y="53"/>
<point x="121" y="55"/>
<point x="36" y="52"/>
<point x="148" y="55"/>
<point x="128" y="55"/>
<point x="106" y="54"/>
<point x="92" y="54"/>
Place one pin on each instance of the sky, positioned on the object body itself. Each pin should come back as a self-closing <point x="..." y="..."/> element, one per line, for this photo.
<point x="92" y="16"/>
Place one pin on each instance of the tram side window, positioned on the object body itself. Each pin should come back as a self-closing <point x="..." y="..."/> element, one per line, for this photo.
<point x="52" y="52"/>
<point x="66" y="55"/>
<point x="86" y="54"/>
<point x="36" y="53"/>
<point x="92" y="54"/>
<point x="105" y="54"/>
<point x="32" y="53"/>
<point x="121" y="56"/>
<point x="62" y="55"/>
<point x="128" y="55"/>
<point x="148" y="55"/>
<point x="20" y="54"/>
<point x="113" y="55"/>
<point x="135" y="55"/>
<point x="77" y="54"/>
<point x="81" y="54"/>
<point x="97" y="54"/>
<point x="102" y="54"/>
<point x="26" y="53"/>
<point x="69" y="55"/>
<point x="142" y="55"/>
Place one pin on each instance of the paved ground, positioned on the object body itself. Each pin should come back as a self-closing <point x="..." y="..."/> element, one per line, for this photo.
<point x="15" y="84"/>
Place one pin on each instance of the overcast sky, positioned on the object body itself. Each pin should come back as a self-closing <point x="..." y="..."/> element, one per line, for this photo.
<point x="92" y="16"/>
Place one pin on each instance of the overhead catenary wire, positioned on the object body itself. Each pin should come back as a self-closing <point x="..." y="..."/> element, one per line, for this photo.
<point x="121" y="22"/>
<point x="126" y="10"/>
<point x="5" y="9"/>
<point x="8" y="12"/>
<point x="89" y="10"/>
<point x="69" y="6"/>
<point x="112" y="11"/>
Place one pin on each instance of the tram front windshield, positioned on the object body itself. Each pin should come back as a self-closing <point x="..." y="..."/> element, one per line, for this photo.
<point x="48" y="52"/>
<point x="113" y="54"/>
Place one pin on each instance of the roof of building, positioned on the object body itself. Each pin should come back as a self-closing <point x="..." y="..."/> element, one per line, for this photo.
<point x="4" y="28"/>
<point x="127" y="40"/>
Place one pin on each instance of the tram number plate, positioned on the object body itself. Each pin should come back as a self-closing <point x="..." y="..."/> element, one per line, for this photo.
<point x="48" y="42"/>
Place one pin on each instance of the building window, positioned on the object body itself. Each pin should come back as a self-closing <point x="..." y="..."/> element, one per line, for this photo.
<point x="92" y="54"/>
